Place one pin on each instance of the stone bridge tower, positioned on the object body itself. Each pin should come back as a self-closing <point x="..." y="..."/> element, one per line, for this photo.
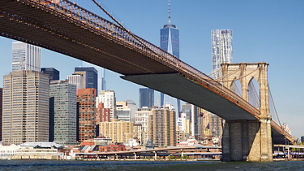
<point x="243" y="139"/>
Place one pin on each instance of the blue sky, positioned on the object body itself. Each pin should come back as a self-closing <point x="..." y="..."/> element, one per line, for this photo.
<point x="269" y="31"/>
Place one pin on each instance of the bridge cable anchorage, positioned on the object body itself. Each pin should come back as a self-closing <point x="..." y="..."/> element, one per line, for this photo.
<point x="123" y="28"/>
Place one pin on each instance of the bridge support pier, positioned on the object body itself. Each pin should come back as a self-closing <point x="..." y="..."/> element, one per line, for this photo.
<point x="247" y="141"/>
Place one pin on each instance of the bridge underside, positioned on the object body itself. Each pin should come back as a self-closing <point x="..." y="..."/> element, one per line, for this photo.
<point x="180" y="87"/>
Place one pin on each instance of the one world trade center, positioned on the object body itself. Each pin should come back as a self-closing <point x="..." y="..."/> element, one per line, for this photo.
<point x="169" y="42"/>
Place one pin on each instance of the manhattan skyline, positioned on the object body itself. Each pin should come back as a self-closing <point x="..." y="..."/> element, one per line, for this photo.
<point x="263" y="32"/>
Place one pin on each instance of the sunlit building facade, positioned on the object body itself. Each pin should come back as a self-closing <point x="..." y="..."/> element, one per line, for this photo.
<point x="25" y="107"/>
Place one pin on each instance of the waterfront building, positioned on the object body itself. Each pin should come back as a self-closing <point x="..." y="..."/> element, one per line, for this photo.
<point x="51" y="72"/>
<point x="109" y="100"/>
<point x="8" y="152"/>
<point x="1" y="90"/>
<point x="141" y="118"/>
<point x="78" y="80"/>
<point x="90" y="76"/>
<point x="221" y="50"/>
<point x="63" y="110"/>
<point x="119" y="131"/>
<point x="146" y="97"/>
<point x="25" y="57"/>
<point x="86" y="99"/>
<point x="25" y="107"/>
<point x="125" y="111"/>
<point x="169" y="42"/>
<point x="162" y="127"/>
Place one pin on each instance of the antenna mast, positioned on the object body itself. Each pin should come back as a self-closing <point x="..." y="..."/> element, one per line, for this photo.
<point x="169" y="11"/>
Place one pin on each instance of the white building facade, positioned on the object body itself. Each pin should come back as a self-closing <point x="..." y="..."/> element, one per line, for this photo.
<point x="26" y="57"/>
<point x="109" y="100"/>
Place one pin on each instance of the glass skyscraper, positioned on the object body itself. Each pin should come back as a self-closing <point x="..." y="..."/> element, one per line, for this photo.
<point x="101" y="75"/>
<point x="52" y="72"/>
<point x="63" y="112"/>
<point x="146" y="97"/>
<point x="90" y="76"/>
<point x="169" y="42"/>
<point x="221" y="50"/>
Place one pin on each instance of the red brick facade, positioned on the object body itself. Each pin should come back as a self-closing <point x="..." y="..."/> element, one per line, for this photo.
<point x="113" y="147"/>
<point x="102" y="114"/>
<point x="87" y="124"/>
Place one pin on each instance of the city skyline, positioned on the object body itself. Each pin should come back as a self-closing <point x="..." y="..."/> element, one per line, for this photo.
<point x="253" y="44"/>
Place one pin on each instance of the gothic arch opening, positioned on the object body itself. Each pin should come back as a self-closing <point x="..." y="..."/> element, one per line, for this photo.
<point x="254" y="93"/>
<point x="236" y="87"/>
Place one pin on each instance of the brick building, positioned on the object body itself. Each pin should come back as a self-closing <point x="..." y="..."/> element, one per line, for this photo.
<point x="86" y="99"/>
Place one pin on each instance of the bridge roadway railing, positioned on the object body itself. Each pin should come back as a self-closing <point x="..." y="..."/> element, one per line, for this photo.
<point x="73" y="10"/>
<point x="78" y="13"/>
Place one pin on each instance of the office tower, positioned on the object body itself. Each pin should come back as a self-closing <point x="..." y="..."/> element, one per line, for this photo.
<point x="142" y="117"/>
<point x="1" y="90"/>
<point x="182" y="128"/>
<point x="221" y="50"/>
<point x="122" y="113"/>
<point x="192" y="112"/>
<point x="162" y="127"/>
<point x="86" y="99"/>
<point x="186" y="108"/>
<point x="146" y="97"/>
<point x="52" y="72"/>
<point x="25" y="57"/>
<point x="119" y="131"/>
<point x="101" y="75"/>
<point x="90" y="76"/>
<point x="25" y="107"/>
<point x="63" y="110"/>
<point x="206" y="124"/>
<point x="102" y="114"/>
<point x="125" y="111"/>
<point x="109" y="101"/>
<point x="183" y="123"/>
<point x="195" y="113"/>
<point x="169" y="42"/>
<point x="78" y="80"/>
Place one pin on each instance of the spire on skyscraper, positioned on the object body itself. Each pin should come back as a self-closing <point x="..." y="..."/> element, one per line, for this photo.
<point x="169" y="11"/>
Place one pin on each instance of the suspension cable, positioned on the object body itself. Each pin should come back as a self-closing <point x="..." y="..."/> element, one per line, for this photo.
<point x="274" y="106"/>
<point x="122" y="27"/>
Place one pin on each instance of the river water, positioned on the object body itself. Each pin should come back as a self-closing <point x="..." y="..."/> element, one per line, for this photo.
<point x="146" y="165"/>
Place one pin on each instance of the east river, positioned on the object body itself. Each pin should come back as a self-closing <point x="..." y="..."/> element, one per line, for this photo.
<point x="146" y="165"/>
